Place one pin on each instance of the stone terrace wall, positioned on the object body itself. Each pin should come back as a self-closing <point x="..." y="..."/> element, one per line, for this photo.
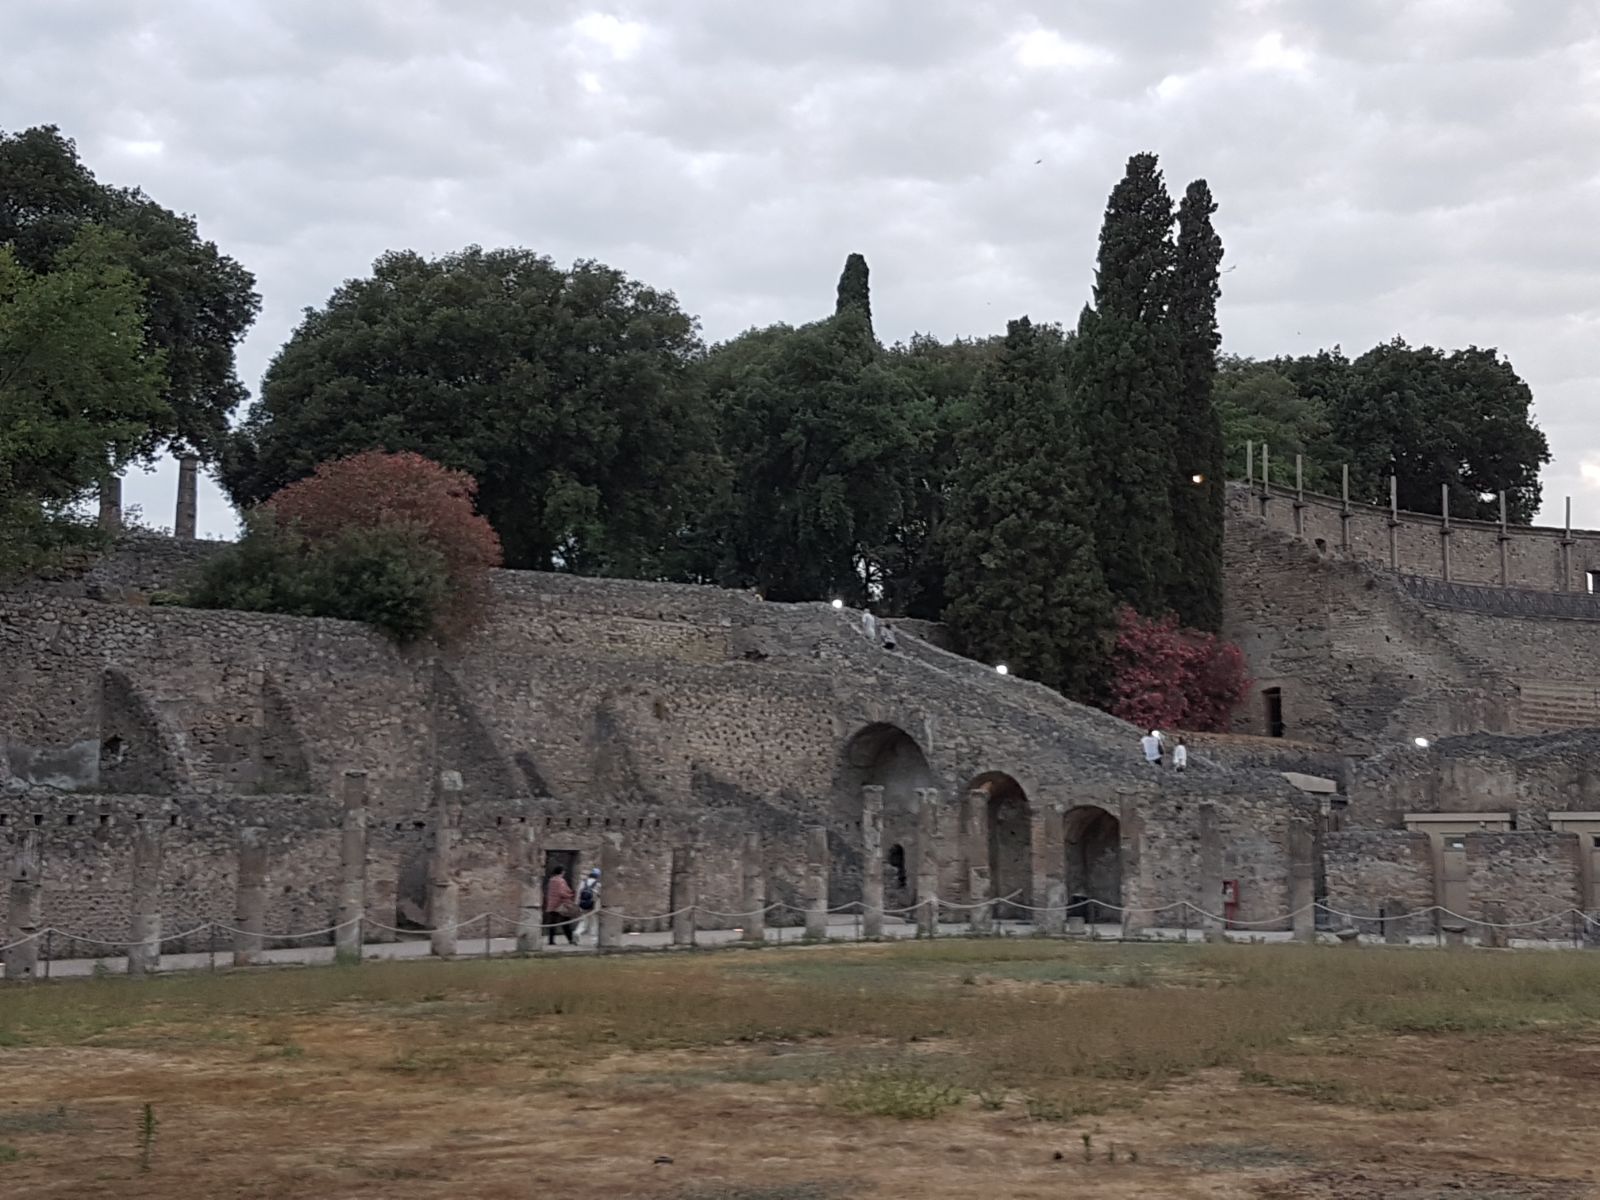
<point x="1370" y="869"/>
<point x="1533" y="552"/>
<point x="1522" y="876"/>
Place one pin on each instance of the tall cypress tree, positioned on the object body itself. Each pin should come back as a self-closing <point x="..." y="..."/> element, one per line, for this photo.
<point x="854" y="292"/>
<point x="1125" y="382"/>
<point x="1024" y="584"/>
<point x="1198" y="449"/>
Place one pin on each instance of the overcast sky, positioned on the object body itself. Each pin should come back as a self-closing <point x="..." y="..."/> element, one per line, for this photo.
<point x="1428" y="168"/>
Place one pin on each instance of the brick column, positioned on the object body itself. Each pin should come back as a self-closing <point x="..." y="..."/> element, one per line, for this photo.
<point x="817" y="882"/>
<point x="352" y="911"/>
<point x="872" y="861"/>
<point x="184" y="519"/>
<point x="22" y="918"/>
<point x="250" y="911"/>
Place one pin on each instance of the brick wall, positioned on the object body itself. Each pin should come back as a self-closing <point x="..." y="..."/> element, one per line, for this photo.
<point x="1522" y="876"/>
<point x="1368" y="870"/>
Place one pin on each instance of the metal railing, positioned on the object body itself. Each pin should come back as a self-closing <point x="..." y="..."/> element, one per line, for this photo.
<point x="1503" y="601"/>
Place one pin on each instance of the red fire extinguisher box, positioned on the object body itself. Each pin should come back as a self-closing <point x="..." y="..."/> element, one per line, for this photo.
<point x="1230" y="901"/>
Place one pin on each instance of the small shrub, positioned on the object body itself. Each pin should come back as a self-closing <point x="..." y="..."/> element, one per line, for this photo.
<point x="895" y="1092"/>
<point x="9" y="1154"/>
<point x="1166" y="677"/>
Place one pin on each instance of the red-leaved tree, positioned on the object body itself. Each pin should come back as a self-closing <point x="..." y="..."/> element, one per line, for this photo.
<point x="1167" y="677"/>
<point x="379" y="491"/>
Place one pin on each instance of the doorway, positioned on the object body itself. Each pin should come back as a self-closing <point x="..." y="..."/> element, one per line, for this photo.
<point x="567" y="860"/>
<point x="1272" y="699"/>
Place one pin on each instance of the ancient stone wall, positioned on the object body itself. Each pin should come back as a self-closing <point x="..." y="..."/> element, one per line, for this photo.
<point x="1522" y="876"/>
<point x="1371" y="872"/>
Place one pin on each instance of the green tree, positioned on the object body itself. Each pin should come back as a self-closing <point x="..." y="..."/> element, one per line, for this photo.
<point x="1125" y="382"/>
<point x="817" y="436"/>
<point x="1199" y="475"/>
<point x="1261" y="405"/>
<point x="1024" y="580"/>
<point x="565" y="393"/>
<point x="197" y="302"/>
<point x="854" y="292"/>
<point x="79" y="390"/>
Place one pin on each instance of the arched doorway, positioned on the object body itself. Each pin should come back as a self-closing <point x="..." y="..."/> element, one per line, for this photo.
<point x="1004" y="830"/>
<point x="886" y="756"/>
<point x="1094" y="859"/>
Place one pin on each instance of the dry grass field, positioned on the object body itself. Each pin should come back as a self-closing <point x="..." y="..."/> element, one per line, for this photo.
<point x="1011" y="1068"/>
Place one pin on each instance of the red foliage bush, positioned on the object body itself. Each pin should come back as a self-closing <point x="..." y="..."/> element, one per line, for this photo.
<point x="1165" y="677"/>
<point x="375" y="490"/>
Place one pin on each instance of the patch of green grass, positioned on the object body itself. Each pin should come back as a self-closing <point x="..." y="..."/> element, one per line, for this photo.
<point x="903" y="1093"/>
<point x="1339" y="1091"/>
<point x="40" y="1120"/>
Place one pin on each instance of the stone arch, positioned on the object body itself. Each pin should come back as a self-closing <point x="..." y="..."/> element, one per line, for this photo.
<point x="1002" y="828"/>
<point x="1094" y="858"/>
<point x="886" y="756"/>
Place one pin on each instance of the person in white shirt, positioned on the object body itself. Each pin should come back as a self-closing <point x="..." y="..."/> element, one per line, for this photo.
<point x="1151" y="742"/>
<point x="589" y="906"/>
<point x="1180" y="756"/>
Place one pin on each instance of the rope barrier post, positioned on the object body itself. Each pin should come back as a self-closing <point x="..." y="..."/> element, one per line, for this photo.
<point x="443" y="898"/>
<point x="211" y="947"/>
<point x="1183" y="921"/>
<point x="871" y="861"/>
<point x="488" y="933"/>
<point x="22" y="922"/>
<point x="1577" y="931"/>
<point x="250" y="897"/>
<point x="352" y="907"/>
<point x="608" y="920"/>
<point x="754" y="902"/>
<point x="49" y="950"/>
<point x="144" y="950"/>
<point x="683" y="900"/>
<point x="817" y="883"/>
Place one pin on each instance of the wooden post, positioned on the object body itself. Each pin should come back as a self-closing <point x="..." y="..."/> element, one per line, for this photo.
<point x="1394" y="523"/>
<point x="250" y="912"/>
<point x="1302" y="880"/>
<point x="443" y="900"/>
<point x="1344" y="507"/>
<point x="684" y="896"/>
<point x="352" y="911"/>
<point x="111" y="503"/>
<point x="1444" y="529"/>
<point x="530" y="888"/>
<point x="1210" y="873"/>
<point x="1250" y="464"/>
<point x="185" y="518"/>
<point x="144" y="955"/>
<point x="980" y="882"/>
<point x="1266" y="478"/>
<point x="754" y="900"/>
<point x="608" y="921"/>
<point x="872" y="861"/>
<point x="1566" y="550"/>
<point x="1299" y="496"/>
<point x="927" y="862"/>
<point x="817" y="883"/>
<point x="22" y="918"/>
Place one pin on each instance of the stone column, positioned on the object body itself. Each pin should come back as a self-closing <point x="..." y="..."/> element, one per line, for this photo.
<point x="1503" y="540"/>
<point x="1210" y="872"/>
<point x="1130" y="817"/>
<point x="927" y="862"/>
<point x="443" y="899"/>
<point x="1495" y="935"/>
<point x="111" y="503"/>
<point x="975" y="844"/>
<point x="685" y="896"/>
<point x="817" y="883"/>
<point x="1053" y="826"/>
<point x="1444" y="530"/>
<point x="22" y="920"/>
<point x="754" y="898"/>
<point x="145" y="891"/>
<point x="184" y="520"/>
<point x="530" y="887"/>
<point x="250" y="912"/>
<point x="1344" y="508"/>
<point x="1394" y="523"/>
<point x="608" y="921"/>
<point x="872" y="861"/>
<point x="1302" y="880"/>
<point x="352" y="911"/>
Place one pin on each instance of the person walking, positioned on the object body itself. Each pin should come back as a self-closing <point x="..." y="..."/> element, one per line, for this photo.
<point x="1151" y="744"/>
<point x="589" y="907"/>
<point x="560" y="910"/>
<point x="1180" y="756"/>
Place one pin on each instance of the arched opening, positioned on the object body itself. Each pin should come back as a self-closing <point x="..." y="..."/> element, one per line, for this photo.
<point x="886" y="756"/>
<point x="1007" y="838"/>
<point x="1094" y="859"/>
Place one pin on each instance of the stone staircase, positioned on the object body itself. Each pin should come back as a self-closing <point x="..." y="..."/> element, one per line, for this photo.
<point x="1545" y="707"/>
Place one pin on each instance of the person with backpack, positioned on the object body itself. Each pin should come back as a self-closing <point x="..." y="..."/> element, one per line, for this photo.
<point x="560" y="910"/>
<point x="589" y="906"/>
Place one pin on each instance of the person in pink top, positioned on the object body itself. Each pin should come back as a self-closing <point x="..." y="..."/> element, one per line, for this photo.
<point x="559" y="910"/>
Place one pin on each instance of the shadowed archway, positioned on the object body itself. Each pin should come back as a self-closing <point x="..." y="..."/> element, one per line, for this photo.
<point x="1094" y="858"/>
<point x="1006" y="826"/>
<point x="885" y="756"/>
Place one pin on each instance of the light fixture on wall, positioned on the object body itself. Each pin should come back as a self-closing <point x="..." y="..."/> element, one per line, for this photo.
<point x="838" y="603"/>
<point x="1421" y="743"/>
<point x="1002" y="669"/>
<point x="1197" y="478"/>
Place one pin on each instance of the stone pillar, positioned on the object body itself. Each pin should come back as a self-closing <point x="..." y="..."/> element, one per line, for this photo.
<point x="1210" y="872"/>
<point x="1504" y="542"/>
<point x="530" y="887"/>
<point x="685" y="895"/>
<point x="872" y="861"/>
<point x="1302" y="880"/>
<point x="1566" y="550"/>
<point x="1130" y="817"/>
<point x="753" y="902"/>
<point x="250" y="912"/>
<point x="1394" y="523"/>
<point x="443" y="899"/>
<point x="1444" y="530"/>
<point x="608" y="921"/>
<point x="1495" y="935"/>
<point x="817" y="883"/>
<point x="1300" y="496"/>
<point x="111" y="503"/>
<point x="1049" y="838"/>
<point x="184" y="520"/>
<point x="352" y="911"/>
<point x="145" y="891"/>
<point x="1344" y="508"/>
<point x="927" y="862"/>
<point x="22" y="920"/>
<point x="975" y="845"/>
<point x="1396" y="914"/>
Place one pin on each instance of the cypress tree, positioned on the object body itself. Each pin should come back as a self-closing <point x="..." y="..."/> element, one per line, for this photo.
<point x="1024" y="584"/>
<point x="854" y="292"/>
<point x="1197" y="427"/>
<point x="1124" y="382"/>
